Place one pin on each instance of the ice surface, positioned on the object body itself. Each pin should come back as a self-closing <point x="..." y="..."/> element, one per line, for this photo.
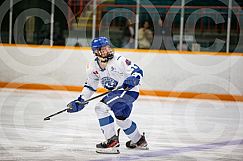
<point x="176" y="129"/>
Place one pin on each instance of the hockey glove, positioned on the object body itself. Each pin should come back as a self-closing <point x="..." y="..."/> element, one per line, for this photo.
<point x="76" y="105"/>
<point x="130" y="82"/>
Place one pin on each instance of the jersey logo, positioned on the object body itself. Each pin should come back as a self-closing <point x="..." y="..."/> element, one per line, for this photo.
<point x="109" y="83"/>
<point x="112" y="68"/>
<point x="128" y="62"/>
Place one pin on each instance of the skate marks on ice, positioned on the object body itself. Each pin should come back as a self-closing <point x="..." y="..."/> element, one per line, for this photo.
<point x="171" y="127"/>
<point x="25" y="136"/>
<point x="175" y="151"/>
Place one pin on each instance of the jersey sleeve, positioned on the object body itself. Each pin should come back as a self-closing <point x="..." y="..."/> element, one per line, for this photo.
<point x="131" y="69"/>
<point x="91" y="83"/>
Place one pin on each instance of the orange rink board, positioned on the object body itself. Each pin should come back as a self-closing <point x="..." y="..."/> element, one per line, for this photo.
<point x="31" y="86"/>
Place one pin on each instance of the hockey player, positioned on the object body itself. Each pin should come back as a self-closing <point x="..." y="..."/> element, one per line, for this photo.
<point x="112" y="71"/>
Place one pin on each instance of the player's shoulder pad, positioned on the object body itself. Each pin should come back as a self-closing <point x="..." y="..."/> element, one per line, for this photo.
<point x="122" y="59"/>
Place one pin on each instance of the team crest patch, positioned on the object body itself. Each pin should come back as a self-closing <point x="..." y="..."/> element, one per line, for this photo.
<point x="128" y="62"/>
<point x="109" y="83"/>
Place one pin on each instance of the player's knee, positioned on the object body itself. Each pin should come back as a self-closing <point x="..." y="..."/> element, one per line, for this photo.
<point x="123" y="114"/>
<point x="121" y="117"/>
<point x="122" y="110"/>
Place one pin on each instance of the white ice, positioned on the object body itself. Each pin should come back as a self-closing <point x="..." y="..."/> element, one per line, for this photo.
<point x="176" y="129"/>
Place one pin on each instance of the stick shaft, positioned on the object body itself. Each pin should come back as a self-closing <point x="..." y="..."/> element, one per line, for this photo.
<point x="86" y="101"/>
<point x="57" y="113"/>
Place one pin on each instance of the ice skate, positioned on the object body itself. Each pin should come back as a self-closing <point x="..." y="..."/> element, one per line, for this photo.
<point x="111" y="146"/>
<point x="141" y="144"/>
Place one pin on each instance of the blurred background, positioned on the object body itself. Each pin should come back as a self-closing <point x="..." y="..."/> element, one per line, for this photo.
<point x="209" y="25"/>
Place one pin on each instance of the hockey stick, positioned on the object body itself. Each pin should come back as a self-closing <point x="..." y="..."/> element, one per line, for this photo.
<point x="86" y="101"/>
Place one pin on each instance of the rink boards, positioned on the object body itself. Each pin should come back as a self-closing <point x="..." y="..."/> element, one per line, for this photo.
<point x="166" y="73"/>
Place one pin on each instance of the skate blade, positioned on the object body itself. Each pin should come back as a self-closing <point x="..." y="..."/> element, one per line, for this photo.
<point x="142" y="148"/>
<point x="145" y="147"/>
<point x="108" y="150"/>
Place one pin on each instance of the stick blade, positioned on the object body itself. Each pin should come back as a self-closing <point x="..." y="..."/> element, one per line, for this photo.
<point x="47" y="118"/>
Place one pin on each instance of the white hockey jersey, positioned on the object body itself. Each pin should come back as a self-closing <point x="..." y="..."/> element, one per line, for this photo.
<point x="116" y="71"/>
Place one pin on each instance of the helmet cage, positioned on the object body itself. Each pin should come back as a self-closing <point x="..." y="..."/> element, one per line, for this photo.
<point x="104" y="53"/>
<point x="102" y="49"/>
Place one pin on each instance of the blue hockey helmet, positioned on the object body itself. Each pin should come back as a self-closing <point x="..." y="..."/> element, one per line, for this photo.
<point x="99" y="42"/>
<point x="104" y="54"/>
